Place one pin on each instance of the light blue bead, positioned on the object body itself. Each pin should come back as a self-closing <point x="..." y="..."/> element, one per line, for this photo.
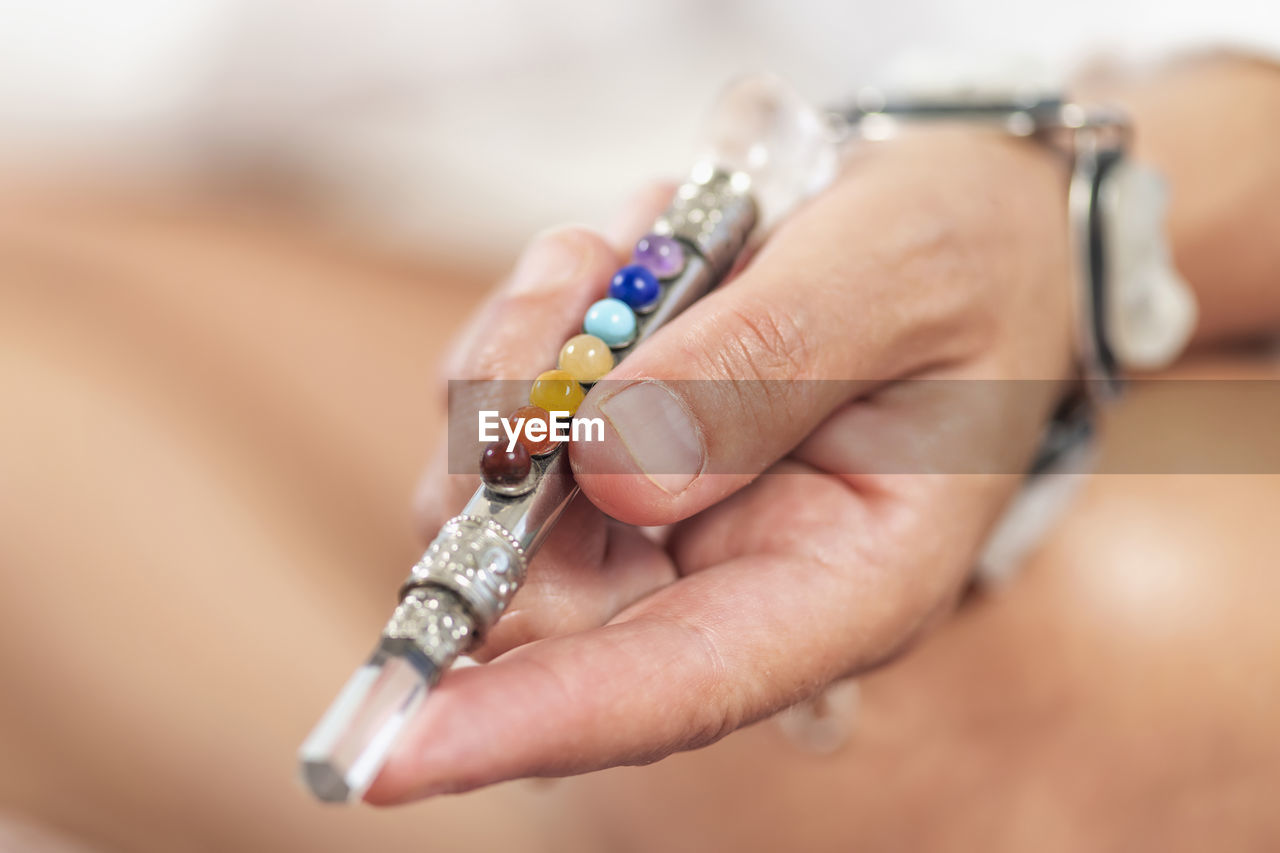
<point x="612" y="321"/>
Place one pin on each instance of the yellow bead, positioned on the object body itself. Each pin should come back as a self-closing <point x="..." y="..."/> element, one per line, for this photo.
<point x="586" y="358"/>
<point x="556" y="391"/>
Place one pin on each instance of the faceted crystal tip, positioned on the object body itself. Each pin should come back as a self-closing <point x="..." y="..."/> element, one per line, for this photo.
<point x="325" y="782"/>
<point x="348" y="747"/>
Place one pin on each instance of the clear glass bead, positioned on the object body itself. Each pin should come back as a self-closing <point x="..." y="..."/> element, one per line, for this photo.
<point x="762" y="128"/>
<point x="824" y="723"/>
<point x="1152" y="310"/>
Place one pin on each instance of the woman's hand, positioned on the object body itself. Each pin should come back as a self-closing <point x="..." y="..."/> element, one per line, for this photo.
<point x="938" y="256"/>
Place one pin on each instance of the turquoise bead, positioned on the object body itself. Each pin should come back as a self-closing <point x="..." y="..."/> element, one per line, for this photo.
<point x="612" y="321"/>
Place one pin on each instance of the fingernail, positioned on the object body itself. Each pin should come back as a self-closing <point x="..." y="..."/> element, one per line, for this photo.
<point x="550" y="261"/>
<point x="659" y="434"/>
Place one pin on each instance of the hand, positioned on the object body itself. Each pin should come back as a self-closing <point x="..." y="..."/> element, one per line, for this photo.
<point x="938" y="256"/>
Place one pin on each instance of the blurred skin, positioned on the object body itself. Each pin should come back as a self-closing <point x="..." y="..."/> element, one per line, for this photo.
<point x="195" y="462"/>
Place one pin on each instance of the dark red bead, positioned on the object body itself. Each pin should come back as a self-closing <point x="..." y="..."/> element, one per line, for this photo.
<point x="502" y="467"/>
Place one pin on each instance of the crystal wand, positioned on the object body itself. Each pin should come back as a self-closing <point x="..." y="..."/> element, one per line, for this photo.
<point x="765" y="147"/>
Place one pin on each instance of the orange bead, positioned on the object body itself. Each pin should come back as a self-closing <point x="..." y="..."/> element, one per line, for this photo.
<point x="530" y="415"/>
<point x="556" y="391"/>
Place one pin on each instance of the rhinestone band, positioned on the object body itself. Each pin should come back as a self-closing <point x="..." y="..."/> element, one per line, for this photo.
<point x="479" y="561"/>
<point x="711" y="212"/>
<point x="435" y="621"/>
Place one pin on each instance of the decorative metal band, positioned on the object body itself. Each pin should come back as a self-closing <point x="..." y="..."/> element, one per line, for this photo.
<point x="436" y="621"/>
<point x="494" y="528"/>
<point x="479" y="560"/>
<point x="714" y="214"/>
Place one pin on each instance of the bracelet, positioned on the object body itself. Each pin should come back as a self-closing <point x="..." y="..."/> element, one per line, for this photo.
<point x="1135" y="310"/>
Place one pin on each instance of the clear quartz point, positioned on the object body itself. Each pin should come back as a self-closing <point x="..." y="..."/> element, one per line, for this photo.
<point x="1152" y="311"/>
<point x="762" y="128"/>
<point x="347" y="748"/>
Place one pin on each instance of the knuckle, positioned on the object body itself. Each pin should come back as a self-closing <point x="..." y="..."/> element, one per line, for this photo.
<point x="712" y="720"/>
<point x="486" y="351"/>
<point x="715" y="706"/>
<point x="758" y="355"/>
<point x="498" y="353"/>
<point x="503" y="346"/>
<point x="770" y="344"/>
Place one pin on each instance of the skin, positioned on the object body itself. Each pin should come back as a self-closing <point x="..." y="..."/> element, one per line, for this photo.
<point x="205" y="480"/>
<point x="691" y="626"/>
<point x="624" y="649"/>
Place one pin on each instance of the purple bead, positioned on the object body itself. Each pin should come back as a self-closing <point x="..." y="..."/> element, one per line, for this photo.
<point x="636" y="286"/>
<point x="663" y="256"/>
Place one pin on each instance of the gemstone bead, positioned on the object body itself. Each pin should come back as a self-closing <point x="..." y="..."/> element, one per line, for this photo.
<point x="636" y="286"/>
<point x="586" y="358"/>
<point x="556" y="391"/>
<point x="661" y="255"/>
<point x="503" y="468"/>
<point x="531" y="414"/>
<point x="612" y="321"/>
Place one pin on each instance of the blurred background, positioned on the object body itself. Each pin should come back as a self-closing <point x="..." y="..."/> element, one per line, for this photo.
<point x="235" y="238"/>
<point x="462" y="128"/>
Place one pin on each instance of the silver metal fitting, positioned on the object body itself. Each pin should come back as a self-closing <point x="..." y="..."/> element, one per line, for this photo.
<point x="476" y="559"/>
<point x="434" y="622"/>
<point x="714" y="213"/>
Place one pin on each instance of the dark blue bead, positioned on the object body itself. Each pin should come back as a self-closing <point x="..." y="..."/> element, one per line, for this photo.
<point x="636" y="286"/>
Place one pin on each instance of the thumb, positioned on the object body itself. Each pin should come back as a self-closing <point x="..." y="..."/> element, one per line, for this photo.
<point x="726" y="389"/>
